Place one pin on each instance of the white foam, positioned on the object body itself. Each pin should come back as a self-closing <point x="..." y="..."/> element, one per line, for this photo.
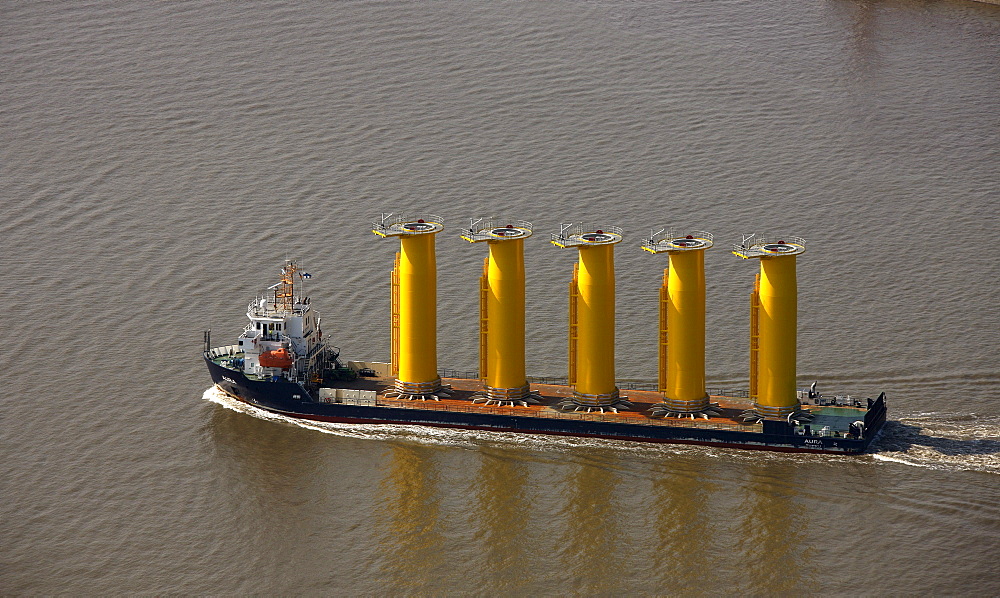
<point x="361" y="431"/>
<point x="879" y="457"/>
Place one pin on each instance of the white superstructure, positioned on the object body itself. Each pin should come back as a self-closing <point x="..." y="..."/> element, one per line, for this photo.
<point x="283" y="337"/>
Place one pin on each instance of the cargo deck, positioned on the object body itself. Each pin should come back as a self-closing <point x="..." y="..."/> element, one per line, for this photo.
<point x="830" y="420"/>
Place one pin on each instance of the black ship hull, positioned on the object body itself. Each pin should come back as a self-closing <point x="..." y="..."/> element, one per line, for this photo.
<point x="294" y="400"/>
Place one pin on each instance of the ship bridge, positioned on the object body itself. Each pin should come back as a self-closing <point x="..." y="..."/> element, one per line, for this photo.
<point x="283" y="337"/>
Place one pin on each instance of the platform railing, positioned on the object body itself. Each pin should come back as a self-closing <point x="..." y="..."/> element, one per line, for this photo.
<point x="479" y="230"/>
<point x="563" y="236"/>
<point x="389" y="220"/>
<point x="752" y="244"/>
<point x="655" y="238"/>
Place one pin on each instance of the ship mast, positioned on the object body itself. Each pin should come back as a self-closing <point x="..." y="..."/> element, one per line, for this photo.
<point x="284" y="292"/>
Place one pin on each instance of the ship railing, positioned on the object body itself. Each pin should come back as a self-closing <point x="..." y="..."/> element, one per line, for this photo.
<point x="564" y="415"/>
<point x="740" y="393"/>
<point x="646" y="386"/>
<point x="275" y="337"/>
<point x="300" y="305"/>
<point x="458" y="374"/>
<point x="622" y="384"/>
<point x="226" y="351"/>
<point x="553" y="380"/>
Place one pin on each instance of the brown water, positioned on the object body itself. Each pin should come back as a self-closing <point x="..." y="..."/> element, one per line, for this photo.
<point x="159" y="160"/>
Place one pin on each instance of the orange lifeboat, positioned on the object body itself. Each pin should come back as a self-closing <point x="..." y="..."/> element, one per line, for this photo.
<point x="279" y="358"/>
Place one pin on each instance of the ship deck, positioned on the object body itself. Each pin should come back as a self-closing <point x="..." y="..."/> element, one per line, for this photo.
<point x="829" y="420"/>
<point x="831" y="417"/>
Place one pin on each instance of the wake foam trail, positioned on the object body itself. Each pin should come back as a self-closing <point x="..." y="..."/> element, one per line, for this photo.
<point x="360" y="431"/>
<point x="947" y="442"/>
<point x="886" y="457"/>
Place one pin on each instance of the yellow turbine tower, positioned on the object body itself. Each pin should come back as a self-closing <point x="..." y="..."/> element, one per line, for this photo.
<point x="414" y="306"/>
<point x="592" y="319"/>
<point x="501" y="321"/>
<point x="773" y="323"/>
<point x="682" y="325"/>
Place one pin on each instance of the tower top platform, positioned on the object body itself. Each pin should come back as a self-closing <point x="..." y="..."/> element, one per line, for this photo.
<point x="669" y="241"/>
<point x="755" y="245"/>
<point x="496" y="229"/>
<point x="403" y="226"/>
<point x="574" y="235"/>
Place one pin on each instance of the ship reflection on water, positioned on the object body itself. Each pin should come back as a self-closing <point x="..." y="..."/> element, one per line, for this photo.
<point x="552" y="517"/>
<point x="772" y="534"/>
<point x="412" y="546"/>
<point x="502" y="513"/>
<point x="598" y="526"/>
<point x="685" y="528"/>
<point x="591" y="547"/>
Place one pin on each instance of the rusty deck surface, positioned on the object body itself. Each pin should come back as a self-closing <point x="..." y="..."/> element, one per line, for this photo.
<point x="463" y="389"/>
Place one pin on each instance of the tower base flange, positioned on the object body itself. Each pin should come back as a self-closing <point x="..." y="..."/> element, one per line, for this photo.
<point x="677" y="408"/>
<point x="511" y="397"/>
<point x="587" y="403"/>
<point x="418" y="391"/>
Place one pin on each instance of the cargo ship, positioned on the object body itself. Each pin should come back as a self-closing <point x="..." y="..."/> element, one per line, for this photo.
<point x="281" y="362"/>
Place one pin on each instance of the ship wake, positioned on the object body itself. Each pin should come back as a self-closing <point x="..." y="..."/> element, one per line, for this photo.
<point x="359" y="431"/>
<point x="935" y="441"/>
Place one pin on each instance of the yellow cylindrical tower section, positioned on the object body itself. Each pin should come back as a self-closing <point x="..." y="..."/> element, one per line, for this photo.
<point x="417" y="309"/>
<point x="595" y="345"/>
<point x="686" y="323"/>
<point x="773" y="325"/>
<point x="502" y="310"/>
<point x="505" y="310"/>
<point x="682" y="323"/>
<point x="777" y="321"/>
<point x="415" y="304"/>
<point x="594" y="293"/>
